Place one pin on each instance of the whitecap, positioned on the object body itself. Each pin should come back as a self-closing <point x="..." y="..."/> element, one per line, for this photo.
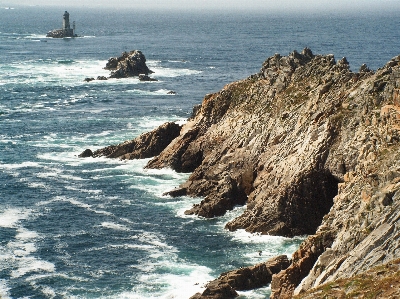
<point x="182" y="281"/>
<point x="260" y="293"/>
<point x="4" y="290"/>
<point x="24" y="234"/>
<point x="115" y="226"/>
<point x="76" y="203"/>
<point x="160" y="92"/>
<point x="19" y="165"/>
<point x="11" y="217"/>
<point x="31" y="264"/>
<point x="171" y="73"/>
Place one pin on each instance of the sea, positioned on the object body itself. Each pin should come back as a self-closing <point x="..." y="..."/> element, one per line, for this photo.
<point x="101" y="228"/>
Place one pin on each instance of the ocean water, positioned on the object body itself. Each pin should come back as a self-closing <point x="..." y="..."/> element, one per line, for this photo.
<point x="100" y="228"/>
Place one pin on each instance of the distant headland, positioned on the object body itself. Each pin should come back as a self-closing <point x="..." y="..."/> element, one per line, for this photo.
<point x="66" y="30"/>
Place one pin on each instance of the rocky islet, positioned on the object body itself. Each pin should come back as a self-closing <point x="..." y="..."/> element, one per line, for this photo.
<point x="312" y="148"/>
<point x="129" y="64"/>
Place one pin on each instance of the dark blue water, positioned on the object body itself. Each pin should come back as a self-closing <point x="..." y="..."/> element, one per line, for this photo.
<point x="98" y="228"/>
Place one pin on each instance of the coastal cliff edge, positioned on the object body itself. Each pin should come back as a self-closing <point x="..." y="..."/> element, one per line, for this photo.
<point x="311" y="148"/>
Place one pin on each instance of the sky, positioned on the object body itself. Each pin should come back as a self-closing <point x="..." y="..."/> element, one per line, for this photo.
<point x="258" y="5"/>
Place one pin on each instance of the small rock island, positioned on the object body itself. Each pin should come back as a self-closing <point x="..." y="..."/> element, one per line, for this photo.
<point x="66" y="30"/>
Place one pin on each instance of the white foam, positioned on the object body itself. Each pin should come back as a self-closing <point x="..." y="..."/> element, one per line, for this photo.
<point x="19" y="165"/>
<point x="17" y="256"/>
<point x="36" y="185"/>
<point x="31" y="264"/>
<point x="47" y="71"/>
<point x="11" y="217"/>
<point x="260" y="293"/>
<point x="4" y="290"/>
<point x="160" y="72"/>
<point x="165" y="275"/>
<point x="75" y="203"/>
<point x="115" y="226"/>
<point x="24" y="234"/>
<point x="178" y="286"/>
<point x="48" y="292"/>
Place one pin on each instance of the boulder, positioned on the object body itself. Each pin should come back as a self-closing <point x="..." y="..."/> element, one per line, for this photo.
<point x="86" y="153"/>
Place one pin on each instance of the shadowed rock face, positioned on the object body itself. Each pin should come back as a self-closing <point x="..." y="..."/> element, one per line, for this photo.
<point x="312" y="148"/>
<point x="247" y="143"/>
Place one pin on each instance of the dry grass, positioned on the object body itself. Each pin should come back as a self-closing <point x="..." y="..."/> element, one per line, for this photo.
<point x="379" y="282"/>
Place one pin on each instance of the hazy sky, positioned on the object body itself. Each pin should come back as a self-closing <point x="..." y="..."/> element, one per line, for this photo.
<point x="268" y="5"/>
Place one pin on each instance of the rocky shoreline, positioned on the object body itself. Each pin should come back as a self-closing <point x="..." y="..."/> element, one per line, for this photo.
<point x="312" y="148"/>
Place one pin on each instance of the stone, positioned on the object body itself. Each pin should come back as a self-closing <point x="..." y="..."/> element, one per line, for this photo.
<point x="176" y="192"/>
<point x="86" y="153"/>
<point x="88" y="79"/>
<point x="143" y="77"/>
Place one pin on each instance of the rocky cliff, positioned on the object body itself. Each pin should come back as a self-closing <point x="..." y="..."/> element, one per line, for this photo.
<point x="312" y="148"/>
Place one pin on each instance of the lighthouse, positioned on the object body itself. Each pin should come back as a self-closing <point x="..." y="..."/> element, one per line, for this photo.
<point x="65" y="31"/>
<point x="66" y="25"/>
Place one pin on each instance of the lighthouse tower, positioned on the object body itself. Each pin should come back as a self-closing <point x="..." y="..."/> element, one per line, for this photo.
<point x="66" y="28"/>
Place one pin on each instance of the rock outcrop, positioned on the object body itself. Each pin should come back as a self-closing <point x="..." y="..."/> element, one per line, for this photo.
<point x="243" y="279"/>
<point x="146" y="145"/>
<point x="60" y="33"/>
<point x="128" y="65"/>
<point x="312" y="148"/>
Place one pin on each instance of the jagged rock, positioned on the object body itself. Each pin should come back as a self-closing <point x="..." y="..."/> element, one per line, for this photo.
<point x="173" y="154"/>
<point x="128" y="65"/>
<point x="171" y="92"/>
<point x="86" y="153"/>
<point x="243" y="279"/>
<point x="88" y="79"/>
<point x="176" y="192"/>
<point x="144" y="146"/>
<point x="102" y="78"/>
<point x="364" y="69"/>
<point x="284" y="282"/>
<point x="226" y="195"/>
<point x="143" y="77"/>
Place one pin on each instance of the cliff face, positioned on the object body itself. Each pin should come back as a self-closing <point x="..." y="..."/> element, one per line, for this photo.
<point x="312" y="148"/>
